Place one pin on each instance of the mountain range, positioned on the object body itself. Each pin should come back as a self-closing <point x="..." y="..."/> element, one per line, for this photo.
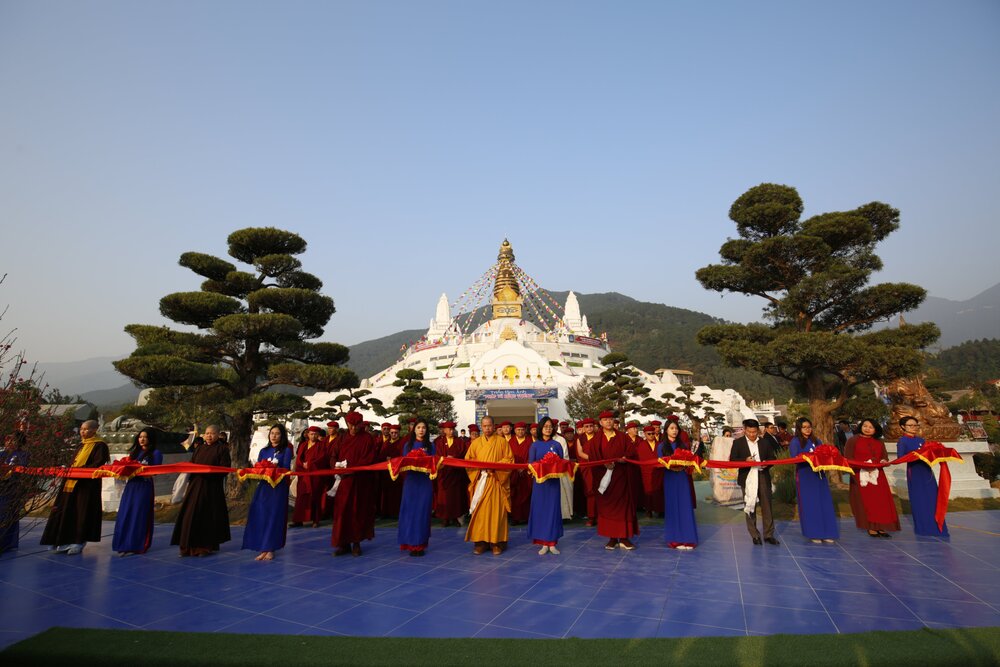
<point x="653" y="335"/>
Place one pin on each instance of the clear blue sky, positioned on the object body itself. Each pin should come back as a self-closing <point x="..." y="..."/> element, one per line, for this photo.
<point x="405" y="140"/>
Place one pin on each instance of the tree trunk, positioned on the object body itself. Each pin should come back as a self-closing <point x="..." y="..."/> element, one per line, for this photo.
<point x="820" y="408"/>
<point x="239" y="448"/>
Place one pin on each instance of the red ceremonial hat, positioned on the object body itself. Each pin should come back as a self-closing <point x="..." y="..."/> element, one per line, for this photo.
<point x="386" y="424"/>
<point x="333" y="424"/>
<point x="632" y="425"/>
<point x="533" y="425"/>
<point x="656" y="422"/>
<point x="413" y="420"/>
<point x="473" y="428"/>
<point x="586" y="422"/>
<point x="520" y="425"/>
<point x="607" y="414"/>
<point x="565" y="427"/>
<point x="673" y="418"/>
<point x="393" y="427"/>
<point x="447" y="424"/>
<point x="648" y="428"/>
<point x="314" y="429"/>
<point x="505" y="423"/>
<point x="353" y="418"/>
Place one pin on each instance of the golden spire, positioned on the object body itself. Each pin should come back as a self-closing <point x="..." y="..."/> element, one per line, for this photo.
<point x="506" y="291"/>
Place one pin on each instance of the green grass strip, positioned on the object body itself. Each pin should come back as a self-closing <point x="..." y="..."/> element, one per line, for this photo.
<point x="968" y="646"/>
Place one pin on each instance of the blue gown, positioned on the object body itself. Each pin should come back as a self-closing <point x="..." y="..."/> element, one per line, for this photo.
<point x="134" y="524"/>
<point x="679" y="526"/>
<point x="415" y="507"/>
<point x="816" y="514"/>
<point x="545" y="516"/>
<point x="267" y="520"/>
<point x="9" y="537"/>
<point x="923" y="489"/>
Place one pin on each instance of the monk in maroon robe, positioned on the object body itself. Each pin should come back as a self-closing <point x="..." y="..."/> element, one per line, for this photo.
<point x="520" y="480"/>
<point x="310" y="492"/>
<point x="354" y="502"/>
<point x="585" y="449"/>
<point x="616" y="517"/>
<point x="452" y="497"/>
<point x="652" y="478"/>
<point x="390" y="492"/>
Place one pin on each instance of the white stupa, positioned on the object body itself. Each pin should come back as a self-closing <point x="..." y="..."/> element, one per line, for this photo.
<point x="510" y="367"/>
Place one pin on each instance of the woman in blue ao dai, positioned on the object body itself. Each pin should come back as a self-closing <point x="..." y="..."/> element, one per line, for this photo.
<point x="545" y="516"/>
<point x="267" y="520"/>
<point x="920" y="482"/>
<point x="134" y="523"/>
<point x="816" y="514"/>
<point x="679" y="528"/>
<point x="418" y="496"/>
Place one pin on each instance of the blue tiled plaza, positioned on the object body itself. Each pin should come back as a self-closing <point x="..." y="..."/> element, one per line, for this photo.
<point x="727" y="586"/>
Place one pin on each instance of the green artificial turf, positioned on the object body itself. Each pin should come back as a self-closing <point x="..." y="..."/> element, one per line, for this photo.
<point x="966" y="647"/>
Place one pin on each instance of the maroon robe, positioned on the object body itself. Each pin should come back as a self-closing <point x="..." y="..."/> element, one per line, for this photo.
<point x="590" y="476"/>
<point x="652" y="478"/>
<point x="451" y="498"/>
<point x="390" y="492"/>
<point x="311" y="503"/>
<point x="354" y="504"/>
<point x="520" y="481"/>
<point x="873" y="506"/>
<point x="616" y="516"/>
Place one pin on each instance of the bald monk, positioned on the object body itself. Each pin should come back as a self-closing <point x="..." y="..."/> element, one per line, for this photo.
<point x="488" y="521"/>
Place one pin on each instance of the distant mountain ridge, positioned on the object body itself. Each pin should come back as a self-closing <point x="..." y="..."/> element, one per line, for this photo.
<point x="961" y="321"/>
<point x="653" y="335"/>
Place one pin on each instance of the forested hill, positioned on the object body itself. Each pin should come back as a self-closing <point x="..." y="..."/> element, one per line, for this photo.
<point x="971" y="363"/>
<point x="653" y="335"/>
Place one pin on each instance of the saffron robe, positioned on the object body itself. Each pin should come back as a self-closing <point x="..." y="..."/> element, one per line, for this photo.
<point x="76" y="513"/>
<point x="415" y="509"/>
<point x="923" y="490"/>
<point x="872" y="504"/>
<point x="652" y="478"/>
<point x="354" y="504"/>
<point x="616" y="517"/>
<point x="520" y="482"/>
<point x="545" y="518"/>
<point x="134" y="523"/>
<point x="488" y="522"/>
<point x="267" y="520"/>
<point x="817" y="517"/>
<point x="311" y="503"/>
<point x="204" y="518"/>
<point x="452" y="497"/>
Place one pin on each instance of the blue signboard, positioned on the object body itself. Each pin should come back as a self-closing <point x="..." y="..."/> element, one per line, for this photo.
<point x="511" y="394"/>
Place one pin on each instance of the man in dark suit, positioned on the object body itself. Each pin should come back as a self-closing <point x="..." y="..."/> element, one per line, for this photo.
<point x="751" y="447"/>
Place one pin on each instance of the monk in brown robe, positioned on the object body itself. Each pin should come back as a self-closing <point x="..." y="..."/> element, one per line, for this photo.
<point x="616" y="518"/>
<point x="310" y="492"/>
<point x="203" y="522"/>
<point x="488" y="521"/>
<point x="452" y="498"/>
<point x="652" y="478"/>
<point x="354" y="500"/>
<point x="390" y="491"/>
<point x="75" y="518"/>
<point x="520" y="480"/>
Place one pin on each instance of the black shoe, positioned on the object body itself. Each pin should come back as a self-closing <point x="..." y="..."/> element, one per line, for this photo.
<point x="884" y="534"/>
<point x="756" y="540"/>
<point x="295" y="524"/>
<point x="342" y="551"/>
<point x="771" y="540"/>
<point x="416" y="554"/>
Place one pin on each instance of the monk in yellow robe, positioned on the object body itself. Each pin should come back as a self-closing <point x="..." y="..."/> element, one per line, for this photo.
<point x="489" y="491"/>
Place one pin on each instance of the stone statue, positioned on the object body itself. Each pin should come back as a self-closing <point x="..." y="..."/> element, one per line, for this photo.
<point x="909" y="396"/>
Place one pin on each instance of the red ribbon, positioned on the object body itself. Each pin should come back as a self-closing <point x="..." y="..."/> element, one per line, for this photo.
<point x="681" y="459"/>
<point x="552" y="466"/>
<point x="265" y="471"/>
<point x="416" y="460"/>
